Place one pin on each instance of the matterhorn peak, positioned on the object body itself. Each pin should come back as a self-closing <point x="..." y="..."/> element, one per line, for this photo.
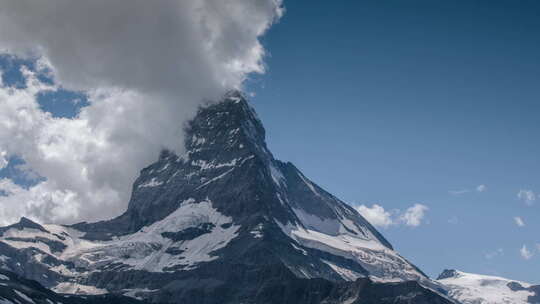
<point x="225" y="212"/>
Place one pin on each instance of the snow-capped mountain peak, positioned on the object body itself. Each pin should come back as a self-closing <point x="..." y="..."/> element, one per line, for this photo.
<point x="469" y="288"/>
<point x="224" y="211"/>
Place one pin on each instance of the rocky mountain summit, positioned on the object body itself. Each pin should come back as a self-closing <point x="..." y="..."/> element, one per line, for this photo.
<point x="225" y="222"/>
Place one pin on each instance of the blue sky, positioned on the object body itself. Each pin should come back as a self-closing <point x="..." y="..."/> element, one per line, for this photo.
<point x="397" y="103"/>
<point x="401" y="102"/>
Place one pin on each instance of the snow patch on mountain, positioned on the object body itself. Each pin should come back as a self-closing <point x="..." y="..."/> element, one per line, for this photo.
<point x="377" y="259"/>
<point x="345" y="273"/>
<point x="176" y="242"/>
<point x="74" y="288"/>
<point x="471" y="288"/>
<point x="152" y="183"/>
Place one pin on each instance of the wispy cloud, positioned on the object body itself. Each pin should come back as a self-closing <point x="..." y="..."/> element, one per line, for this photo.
<point x="525" y="253"/>
<point x="493" y="254"/>
<point x="479" y="188"/>
<point x="527" y="196"/>
<point x="459" y="192"/>
<point x="378" y="216"/>
<point x="519" y="221"/>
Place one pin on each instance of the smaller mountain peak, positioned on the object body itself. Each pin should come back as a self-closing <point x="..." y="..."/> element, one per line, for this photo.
<point x="25" y="220"/>
<point x="447" y="274"/>
<point x="24" y="223"/>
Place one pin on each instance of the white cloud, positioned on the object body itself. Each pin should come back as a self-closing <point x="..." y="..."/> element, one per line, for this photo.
<point x="479" y="188"/>
<point x="145" y="65"/>
<point x="519" y="221"/>
<point x="179" y="48"/>
<point x="380" y="217"/>
<point x="43" y="201"/>
<point x="493" y="254"/>
<point x="527" y="196"/>
<point x="414" y="215"/>
<point x="376" y="215"/>
<point x="459" y="192"/>
<point x="525" y="253"/>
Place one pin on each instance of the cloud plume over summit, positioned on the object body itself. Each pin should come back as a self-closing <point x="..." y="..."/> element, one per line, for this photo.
<point x="145" y="67"/>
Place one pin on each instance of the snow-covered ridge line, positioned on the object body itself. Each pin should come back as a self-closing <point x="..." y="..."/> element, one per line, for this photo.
<point x="469" y="288"/>
<point x="149" y="249"/>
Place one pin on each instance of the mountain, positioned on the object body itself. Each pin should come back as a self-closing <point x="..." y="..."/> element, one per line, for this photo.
<point x="17" y="290"/>
<point x="225" y="222"/>
<point x="471" y="288"/>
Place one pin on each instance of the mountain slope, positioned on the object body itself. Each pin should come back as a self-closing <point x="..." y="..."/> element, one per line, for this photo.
<point x="17" y="290"/>
<point x="471" y="288"/>
<point x="224" y="211"/>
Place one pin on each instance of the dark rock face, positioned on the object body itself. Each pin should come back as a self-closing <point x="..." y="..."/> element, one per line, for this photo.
<point x="515" y="286"/>
<point x="189" y="233"/>
<point x="534" y="299"/>
<point x="277" y="285"/>
<point x="224" y="223"/>
<point x="15" y="289"/>
<point x="448" y="273"/>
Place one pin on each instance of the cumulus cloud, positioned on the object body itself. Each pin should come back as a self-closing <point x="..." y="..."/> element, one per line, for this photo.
<point x="376" y="215"/>
<point x="525" y="253"/>
<point x="519" y="221"/>
<point x="527" y="196"/>
<point x="145" y="67"/>
<point x="166" y="47"/>
<point x="380" y="217"/>
<point x="414" y="215"/>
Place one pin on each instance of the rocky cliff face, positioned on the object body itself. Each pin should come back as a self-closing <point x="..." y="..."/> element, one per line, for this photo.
<point x="223" y="221"/>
